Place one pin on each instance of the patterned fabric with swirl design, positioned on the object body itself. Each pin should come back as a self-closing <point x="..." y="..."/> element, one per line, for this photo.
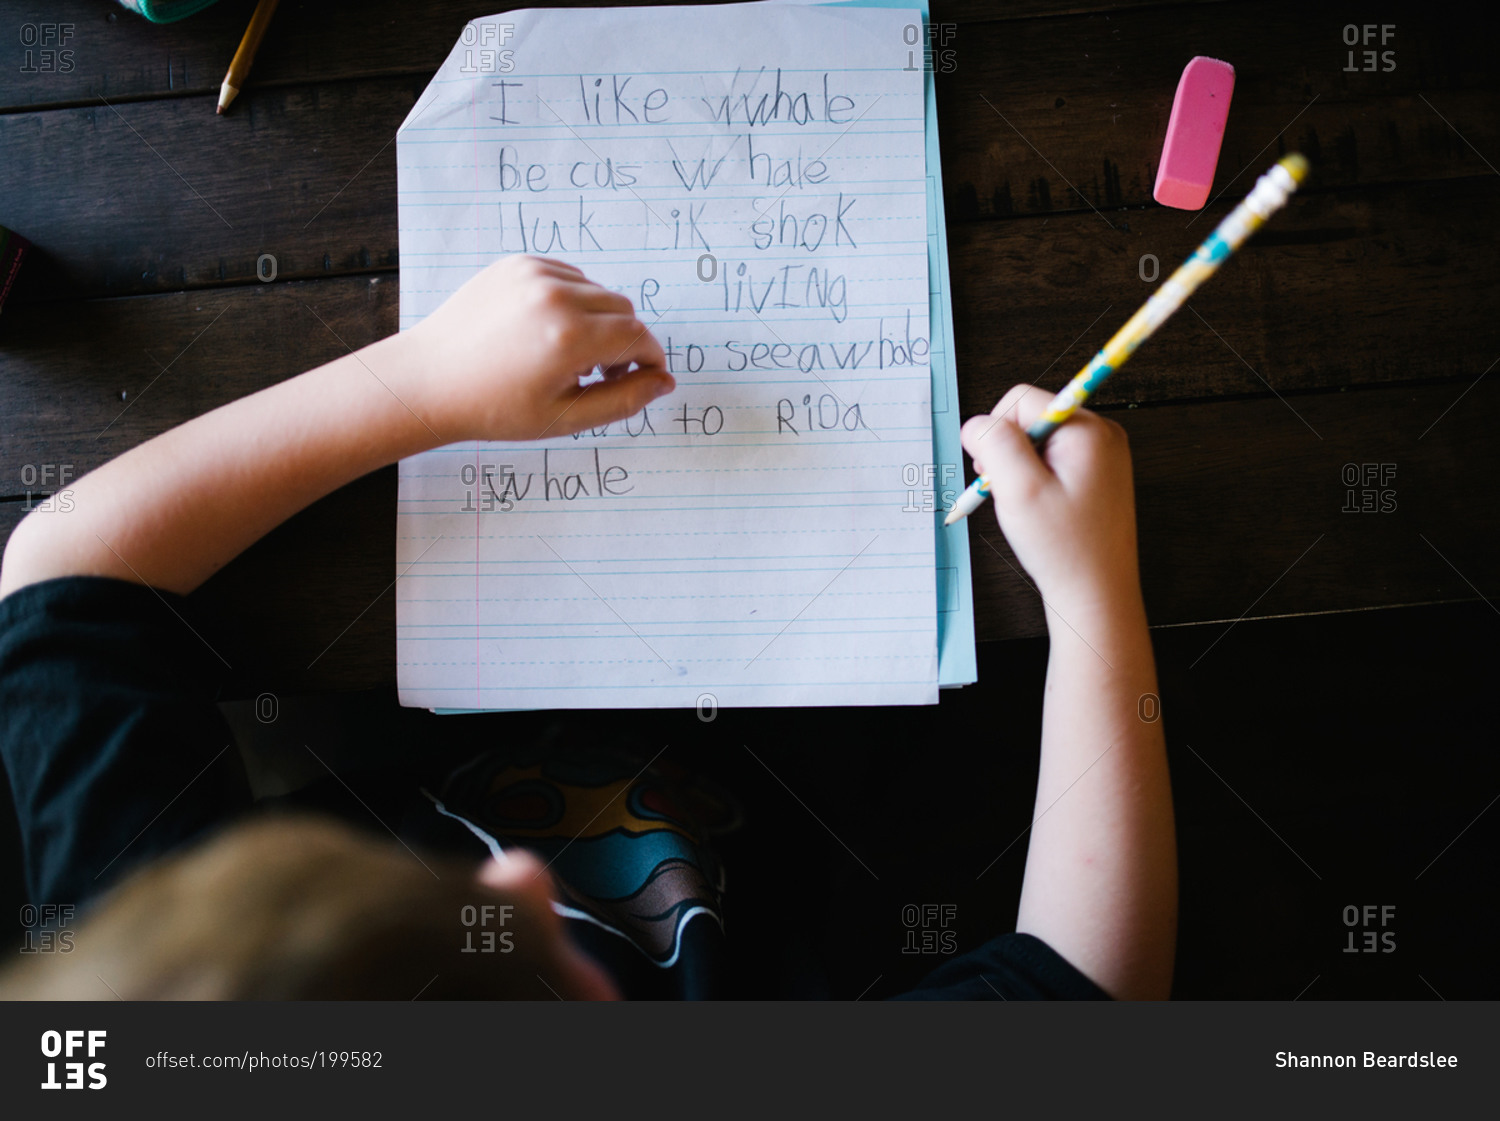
<point x="626" y="840"/>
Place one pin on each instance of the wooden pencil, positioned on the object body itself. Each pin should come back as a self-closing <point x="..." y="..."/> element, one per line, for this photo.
<point x="239" y="67"/>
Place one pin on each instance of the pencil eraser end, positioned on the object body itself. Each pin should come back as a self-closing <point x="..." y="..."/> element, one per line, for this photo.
<point x="1195" y="132"/>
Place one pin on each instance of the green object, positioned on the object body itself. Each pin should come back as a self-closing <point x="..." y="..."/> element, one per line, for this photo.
<point x="165" y="11"/>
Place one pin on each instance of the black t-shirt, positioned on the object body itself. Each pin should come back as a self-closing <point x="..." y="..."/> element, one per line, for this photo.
<point x="117" y="753"/>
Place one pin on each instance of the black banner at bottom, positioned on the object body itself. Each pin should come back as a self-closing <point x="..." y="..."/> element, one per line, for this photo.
<point x="1213" y="1059"/>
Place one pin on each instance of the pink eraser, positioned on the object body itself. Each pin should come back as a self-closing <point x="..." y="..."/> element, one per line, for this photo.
<point x="1194" y="133"/>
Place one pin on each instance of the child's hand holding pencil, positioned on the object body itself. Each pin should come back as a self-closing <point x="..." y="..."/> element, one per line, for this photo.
<point x="1270" y="194"/>
<point x="1068" y="510"/>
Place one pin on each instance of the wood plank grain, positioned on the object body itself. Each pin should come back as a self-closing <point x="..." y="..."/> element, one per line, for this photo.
<point x="1050" y="115"/>
<point x="161" y="195"/>
<point x="143" y="197"/>
<point x="82" y="382"/>
<point x="1350" y="288"/>
<point x="1242" y="512"/>
<point x="1346" y="288"/>
<point x="118" y="56"/>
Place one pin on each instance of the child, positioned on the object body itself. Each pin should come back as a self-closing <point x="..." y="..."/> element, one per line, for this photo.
<point x="108" y="689"/>
<point x="1101" y="872"/>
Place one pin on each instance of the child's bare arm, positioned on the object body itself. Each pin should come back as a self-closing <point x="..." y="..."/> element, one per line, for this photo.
<point x="499" y="361"/>
<point x="1101" y="872"/>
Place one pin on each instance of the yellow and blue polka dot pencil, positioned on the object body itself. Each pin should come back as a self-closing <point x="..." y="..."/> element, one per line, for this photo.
<point x="1269" y="195"/>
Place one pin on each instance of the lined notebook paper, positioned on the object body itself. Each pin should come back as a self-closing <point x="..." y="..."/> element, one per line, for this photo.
<point x="754" y="178"/>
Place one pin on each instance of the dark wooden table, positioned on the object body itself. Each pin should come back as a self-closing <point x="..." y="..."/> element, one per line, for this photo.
<point x="1356" y="332"/>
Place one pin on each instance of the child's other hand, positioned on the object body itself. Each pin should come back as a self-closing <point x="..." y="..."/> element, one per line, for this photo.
<point x="501" y="359"/>
<point x="1068" y="513"/>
